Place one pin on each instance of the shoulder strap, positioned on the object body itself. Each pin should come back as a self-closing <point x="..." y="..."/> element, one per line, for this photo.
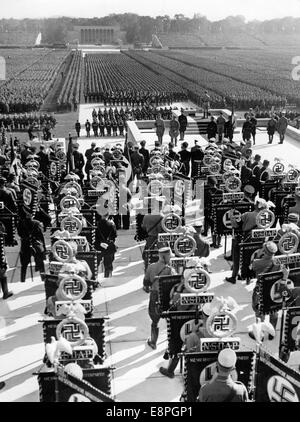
<point x="261" y="175"/>
<point x="268" y="268"/>
<point x="161" y="270"/>
<point x="155" y="225"/>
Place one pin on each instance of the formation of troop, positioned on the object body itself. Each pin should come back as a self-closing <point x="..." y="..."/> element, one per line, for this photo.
<point x="134" y="98"/>
<point x="20" y="122"/>
<point x="112" y="122"/>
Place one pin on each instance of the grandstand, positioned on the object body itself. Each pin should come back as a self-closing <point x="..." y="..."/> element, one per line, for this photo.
<point x="173" y="40"/>
<point x="18" y="38"/>
<point x="227" y="39"/>
<point x="281" y="40"/>
<point x="240" y="39"/>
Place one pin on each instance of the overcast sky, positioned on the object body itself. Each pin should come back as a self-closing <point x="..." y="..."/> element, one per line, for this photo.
<point x="213" y="9"/>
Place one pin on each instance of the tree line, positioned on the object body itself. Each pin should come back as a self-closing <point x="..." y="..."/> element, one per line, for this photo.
<point x="140" y="28"/>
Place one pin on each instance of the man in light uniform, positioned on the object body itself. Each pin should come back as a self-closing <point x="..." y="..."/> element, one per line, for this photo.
<point x="159" y="268"/>
<point x="222" y="388"/>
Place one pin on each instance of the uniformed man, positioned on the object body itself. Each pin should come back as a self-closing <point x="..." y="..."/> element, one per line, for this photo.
<point x="206" y="105"/>
<point x="88" y="128"/>
<point x="78" y="128"/>
<point x="160" y="128"/>
<point x="156" y="149"/>
<point x="152" y="225"/>
<point x="145" y="153"/>
<point x="197" y="154"/>
<point x="159" y="268"/>
<point x="265" y="263"/>
<point x="246" y="174"/>
<point x="174" y="130"/>
<point x="220" y="126"/>
<point x="95" y="127"/>
<point x="7" y="197"/>
<point x="89" y="157"/>
<point x="282" y="125"/>
<point x="105" y="237"/>
<point x="247" y="223"/>
<point x="271" y="128"/>
<point x="249" y="192"/>
<point x="172" y="155"/>
<point x="101" y="127"/>
<point x="78" y="162"/>
<point x="182" y="119"/>
<point x="137" y="162"/>
<point x="253" y="122"/>
<point x="43" y="160"/>
<point x="212" y="128"/>
<point x="25" y="152"/>
<point x="192" y="342"/>
<point x="32" y="243"/>
<point x="222" y="388"/>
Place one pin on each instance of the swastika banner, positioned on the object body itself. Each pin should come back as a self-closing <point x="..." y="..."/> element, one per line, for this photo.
<point x="95" y="328"/>
<point x="99" y="379"/>
<point x="165" y="285"/>
<point x="291" y="321"/>
<point x="279" y="199"/>
<point x="270" y="299"/>
<point x="200" y="368"/>
<point x="175" y="321"/>
<point x="268" y="188"/>
<point x="246" y="251"/>
<point x="51" y="286"/>
<point x="221" y="216"/>
<point x="275" y="381"/>
<point x="29" y="197"/>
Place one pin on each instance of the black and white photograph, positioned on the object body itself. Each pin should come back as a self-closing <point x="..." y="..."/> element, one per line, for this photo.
<point x="150" y="204"/>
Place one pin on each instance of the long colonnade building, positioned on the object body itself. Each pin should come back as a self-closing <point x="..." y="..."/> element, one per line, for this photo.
<point x="97" y="34"/>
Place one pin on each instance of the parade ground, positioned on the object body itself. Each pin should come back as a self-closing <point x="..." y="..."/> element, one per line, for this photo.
<point x="136" y="375"/>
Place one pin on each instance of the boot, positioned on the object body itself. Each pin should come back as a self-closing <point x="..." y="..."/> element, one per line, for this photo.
<point x="231" y="280"/>
<point x="216" y="241"/>
<point x="106" y="274"/>
<point x="206" y="227"/>
<point x="154" y="336"/>
<point x="23" y="275"/>
<point x="6" y="293"/>
<point x="169" y="372"/>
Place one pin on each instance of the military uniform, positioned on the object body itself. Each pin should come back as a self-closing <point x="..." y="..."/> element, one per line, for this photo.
<point x="155" y="270"/>
<point x="32" y="244"/>
<point x="182" y="119"/>
<point x="222" y="388"/>
<point x="78" y="164"/>
<point x="248" y="223"/>
<point x="106" y="233"/>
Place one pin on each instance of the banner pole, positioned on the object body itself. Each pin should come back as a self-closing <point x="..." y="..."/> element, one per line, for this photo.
<point x="56" y="384"/>
<point x="254" y="381"/>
